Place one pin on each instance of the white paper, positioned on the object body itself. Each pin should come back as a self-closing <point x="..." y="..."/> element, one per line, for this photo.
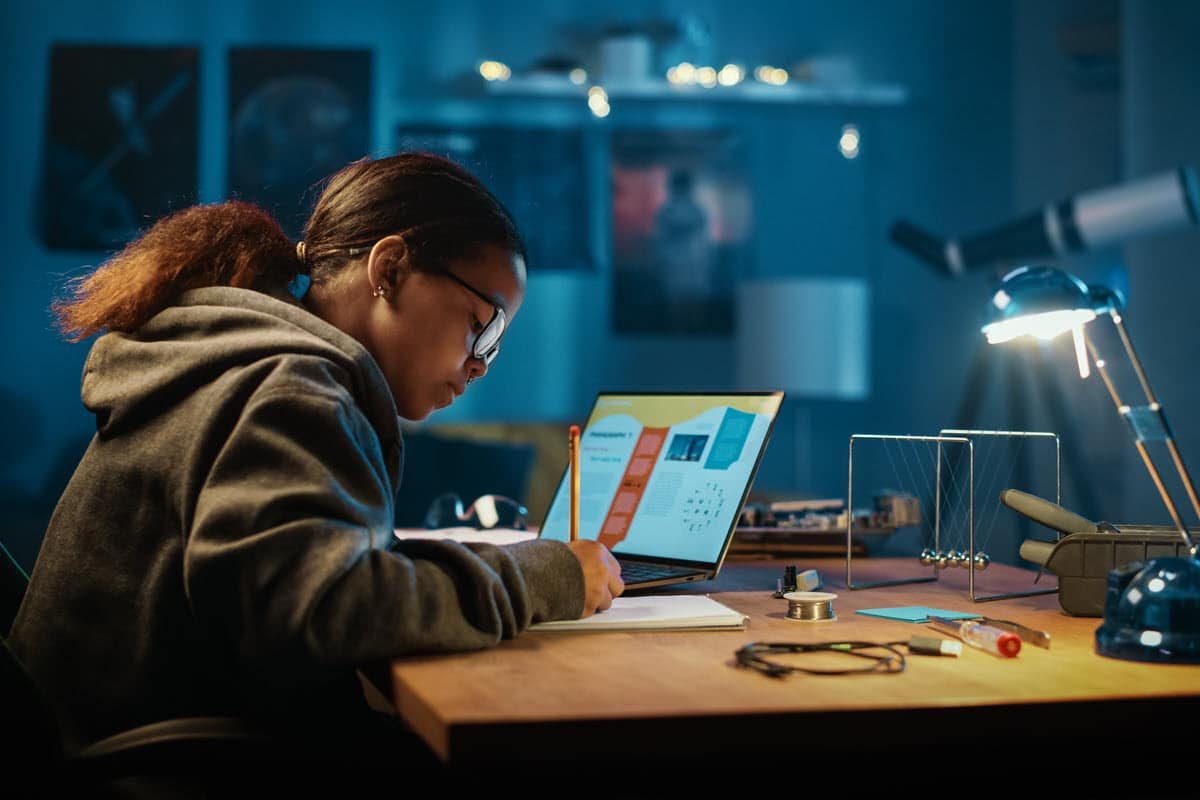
<point x="655" y="612"/>
<point x="500" y="536"/>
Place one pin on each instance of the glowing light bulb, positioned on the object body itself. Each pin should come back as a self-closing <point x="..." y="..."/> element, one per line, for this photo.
<point x="494" y="71"/>
<point x="730" y="75"/>
<point x="848" y="142"/>
<point x="598" y="101"/>
<point x="1044" y="326"/>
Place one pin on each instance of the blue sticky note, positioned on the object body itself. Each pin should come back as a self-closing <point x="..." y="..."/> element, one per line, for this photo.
<point x="914" y="613"/>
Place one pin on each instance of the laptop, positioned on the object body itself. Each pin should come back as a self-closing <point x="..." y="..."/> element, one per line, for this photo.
<point x="663" y="478"/>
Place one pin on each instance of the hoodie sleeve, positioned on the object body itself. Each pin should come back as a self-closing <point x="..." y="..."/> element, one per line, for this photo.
<point x="288" y="552"/>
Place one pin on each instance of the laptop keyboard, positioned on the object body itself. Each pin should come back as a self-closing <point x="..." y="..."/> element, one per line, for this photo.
<point x="637" y="572"/>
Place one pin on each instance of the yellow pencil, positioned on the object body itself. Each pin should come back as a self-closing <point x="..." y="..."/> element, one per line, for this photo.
<point x="573" y="454"/>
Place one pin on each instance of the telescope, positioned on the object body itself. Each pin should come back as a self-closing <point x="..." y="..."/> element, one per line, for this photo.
<point x="1082" y="222"/>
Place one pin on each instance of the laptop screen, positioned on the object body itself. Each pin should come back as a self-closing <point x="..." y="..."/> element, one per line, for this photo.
<point x="664" y="476"/>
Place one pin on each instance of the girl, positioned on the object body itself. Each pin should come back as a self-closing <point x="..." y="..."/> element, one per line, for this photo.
<point x="225" y="546"/>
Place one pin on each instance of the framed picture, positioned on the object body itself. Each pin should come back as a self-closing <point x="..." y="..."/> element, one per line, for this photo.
<point x="539" y="174"/>
<point x="682" y="225"/>
<point x="120" y="146"/>
<point x="295" y="117"/>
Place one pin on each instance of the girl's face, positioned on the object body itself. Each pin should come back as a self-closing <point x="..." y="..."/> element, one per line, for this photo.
<point x="423" y="331"/>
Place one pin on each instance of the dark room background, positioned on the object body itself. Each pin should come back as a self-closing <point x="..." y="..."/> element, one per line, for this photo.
<point x="986" y="109"/>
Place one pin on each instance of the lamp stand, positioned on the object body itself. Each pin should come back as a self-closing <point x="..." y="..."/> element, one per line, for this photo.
<point x="1149" y="424"/>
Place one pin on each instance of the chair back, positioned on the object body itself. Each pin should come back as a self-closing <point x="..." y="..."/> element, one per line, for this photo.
<point x="33" y="739"/>
<point x="435" y="465"/>
<point x="13" y="583"/>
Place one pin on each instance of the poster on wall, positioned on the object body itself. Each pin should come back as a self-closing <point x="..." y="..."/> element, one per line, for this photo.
<point x="120" y="142"/>
<point x="295" y="117"/>
<point x="538" y="174"/>
<point x="682" y="216"/>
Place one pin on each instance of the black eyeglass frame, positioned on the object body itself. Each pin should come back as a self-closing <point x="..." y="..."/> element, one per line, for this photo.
<point x="753" y="656"/>
<point x="498" y="318"/>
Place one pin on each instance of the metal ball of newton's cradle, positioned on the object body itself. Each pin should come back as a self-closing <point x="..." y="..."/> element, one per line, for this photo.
<point x="942" y="559"/>
<point x="956" y="558"/>
<point x="981" y="561"/>
<point x="927" y="557"/>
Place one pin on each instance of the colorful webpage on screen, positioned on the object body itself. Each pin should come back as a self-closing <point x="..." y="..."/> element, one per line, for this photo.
<point x="664" y="475"/>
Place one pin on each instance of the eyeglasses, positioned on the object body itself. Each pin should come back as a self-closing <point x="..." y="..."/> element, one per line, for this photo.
<point x="487" y="342"/>
<point x="753" y="656"/>
<point x="488" y="511"/>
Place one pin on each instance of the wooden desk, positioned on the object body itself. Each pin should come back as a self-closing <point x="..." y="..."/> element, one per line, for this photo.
<point x="552" y="696"/>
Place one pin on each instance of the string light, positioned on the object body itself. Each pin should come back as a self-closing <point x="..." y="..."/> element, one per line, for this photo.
<point x="494" y="71"/>
<point x="731" y="75"/>
<point x="684" y="74"/>
<point x="771" y="75"/>
<point x="848" y="141"/>
<point x="598" y="101"/>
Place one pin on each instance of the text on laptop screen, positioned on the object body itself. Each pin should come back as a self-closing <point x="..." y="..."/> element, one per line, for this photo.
<point x="664" y="475"/>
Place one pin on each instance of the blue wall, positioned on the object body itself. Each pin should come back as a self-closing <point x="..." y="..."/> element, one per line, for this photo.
<point x="946" y="158"/>
<point x="1160" y="129"/>
<point x="1076" y="129"/>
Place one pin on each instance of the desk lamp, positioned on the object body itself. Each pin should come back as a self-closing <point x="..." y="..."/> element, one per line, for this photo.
<point x="1152" y="610"/>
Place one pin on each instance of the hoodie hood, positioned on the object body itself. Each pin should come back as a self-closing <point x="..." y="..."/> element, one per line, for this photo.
<point x="208" y="332"/>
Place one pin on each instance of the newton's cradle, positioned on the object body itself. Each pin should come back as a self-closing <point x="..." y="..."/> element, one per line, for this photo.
<point x="950" y="499"/>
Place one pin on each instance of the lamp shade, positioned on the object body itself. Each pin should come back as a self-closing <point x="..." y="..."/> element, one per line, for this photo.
<point x="808" y="336"/>
<point x="1042" y="302"/>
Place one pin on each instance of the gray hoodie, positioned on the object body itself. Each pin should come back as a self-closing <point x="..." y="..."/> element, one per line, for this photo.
<point x="225" y="545"/>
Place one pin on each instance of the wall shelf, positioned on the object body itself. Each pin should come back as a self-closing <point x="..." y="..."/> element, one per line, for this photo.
<point x="747" y="92"/>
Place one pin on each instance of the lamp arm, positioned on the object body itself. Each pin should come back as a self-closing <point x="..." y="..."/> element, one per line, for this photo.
<point x="1176" y="456"/>
<point x="1127" y="342"/>
<point x="1163" y="432"/>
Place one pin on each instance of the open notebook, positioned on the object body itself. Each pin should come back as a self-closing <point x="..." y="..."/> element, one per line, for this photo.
<point x="663" y="612"/>
<point x="655" y="612"/>
<point x="496" y="536"/>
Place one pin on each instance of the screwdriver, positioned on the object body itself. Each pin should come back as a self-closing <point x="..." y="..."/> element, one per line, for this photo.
<point x="996" y="641"/>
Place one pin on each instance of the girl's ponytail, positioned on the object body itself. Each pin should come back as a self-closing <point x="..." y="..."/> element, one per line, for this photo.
<point x="226" y="244"/>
